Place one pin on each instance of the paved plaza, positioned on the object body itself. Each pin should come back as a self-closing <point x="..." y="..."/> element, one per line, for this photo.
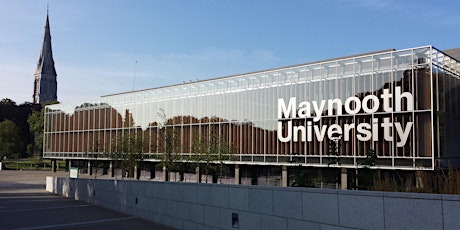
<point x="24" y="204"/>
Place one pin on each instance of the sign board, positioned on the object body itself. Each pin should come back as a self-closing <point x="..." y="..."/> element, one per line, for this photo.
<point x="73" y="172"/>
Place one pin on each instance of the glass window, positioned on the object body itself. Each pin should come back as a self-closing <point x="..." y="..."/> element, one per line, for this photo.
<point x="402" y="59"/>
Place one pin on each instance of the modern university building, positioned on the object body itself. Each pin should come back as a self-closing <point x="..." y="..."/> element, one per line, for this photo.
<point x="401" y="105"/>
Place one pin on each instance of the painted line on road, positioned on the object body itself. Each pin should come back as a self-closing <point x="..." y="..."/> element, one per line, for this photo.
<point x="77" y="223"/>
<point x="41" y="209"/>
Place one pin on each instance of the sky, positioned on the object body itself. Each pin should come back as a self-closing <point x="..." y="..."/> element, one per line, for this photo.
<point x="111" y="46"/>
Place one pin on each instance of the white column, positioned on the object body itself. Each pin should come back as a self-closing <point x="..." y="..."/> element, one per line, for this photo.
<point x="343" y="178"/>
<point x="284" y="176"/>
<point x="198" y="174"/>
<point x="418" y="179"/>
<point x="237" y="174"/>
<point x="111" y="168"/>
<point x="53" y="165"/>
<point x="165" y="173"/>
<point x="89" y="167"/>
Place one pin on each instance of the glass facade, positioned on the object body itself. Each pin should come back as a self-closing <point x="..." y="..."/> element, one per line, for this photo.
<point x="403" y="105"/>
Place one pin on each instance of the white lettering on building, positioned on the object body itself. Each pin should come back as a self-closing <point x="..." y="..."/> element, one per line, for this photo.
<point x="363" y="131"/>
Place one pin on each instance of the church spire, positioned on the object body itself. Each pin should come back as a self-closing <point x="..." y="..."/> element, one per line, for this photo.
<point x="45" y="87"/>
<point x="45" y="63"/>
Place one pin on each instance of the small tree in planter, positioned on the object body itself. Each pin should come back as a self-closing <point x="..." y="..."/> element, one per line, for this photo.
<point x="210" y="151"/>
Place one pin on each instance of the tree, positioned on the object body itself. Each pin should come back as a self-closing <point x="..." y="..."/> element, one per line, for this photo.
<point x="171" y="143"/>
<point x="35" y="121"/>
<point x="10" y="140"/>
<point x="19" y="114"/>
<point x="36" y="127"/>
<point x="7" y="101"/>
<point x="210" y="151"/>
<point x="299" y="177"/>
<point x="365" y="175"/>
<point x="127" y="149"/>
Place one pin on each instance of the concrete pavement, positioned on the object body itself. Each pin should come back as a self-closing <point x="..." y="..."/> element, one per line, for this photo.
<point x="24" y="204"/>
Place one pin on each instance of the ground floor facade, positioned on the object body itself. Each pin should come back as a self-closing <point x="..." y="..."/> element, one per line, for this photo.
<point x="335" y="178"/>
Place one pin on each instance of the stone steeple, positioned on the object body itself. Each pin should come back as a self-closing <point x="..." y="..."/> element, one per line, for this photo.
<point x="45" y="85"/>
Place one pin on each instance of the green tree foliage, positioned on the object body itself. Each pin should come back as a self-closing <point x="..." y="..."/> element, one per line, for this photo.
<point x="7" y="101"/>
<point x="10" y="140"/>
<point x="211" y="151"/>
<point x="171" y="144"/>
<point x="128" y="149"/>
<point x="19" y="114"/>
<point x="300" y="177"/>
<point x="170" y="157"/>
<point x="35" y="121"/>
<point x="365" y="175"/>
<point x="36" y="127"/>
<point x="127" y="146"/>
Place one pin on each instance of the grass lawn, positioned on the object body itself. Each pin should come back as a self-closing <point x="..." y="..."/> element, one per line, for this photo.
<point x="31" y="164"/>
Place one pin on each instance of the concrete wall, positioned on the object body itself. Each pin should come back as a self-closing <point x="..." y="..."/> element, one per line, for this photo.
<point x="212" y="206"/>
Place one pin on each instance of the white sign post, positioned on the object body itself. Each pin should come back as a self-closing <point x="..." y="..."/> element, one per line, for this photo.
<point x="73" y="172"/>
